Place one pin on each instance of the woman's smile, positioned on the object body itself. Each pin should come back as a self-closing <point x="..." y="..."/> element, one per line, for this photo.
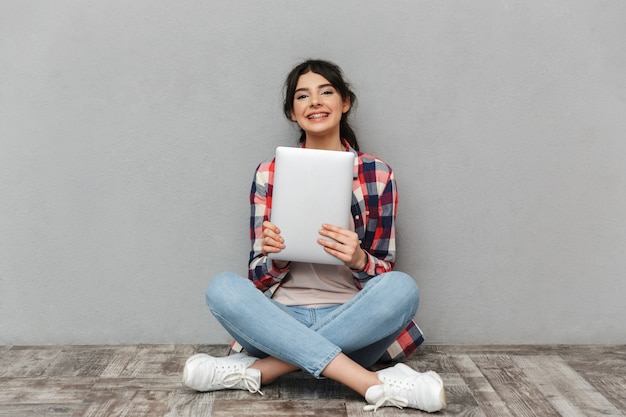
<point x="317" y="116"/>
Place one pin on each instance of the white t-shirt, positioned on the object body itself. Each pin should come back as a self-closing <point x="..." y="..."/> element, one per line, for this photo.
<point x="316" y="285"/>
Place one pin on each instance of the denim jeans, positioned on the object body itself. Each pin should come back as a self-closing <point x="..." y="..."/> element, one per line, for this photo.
<point x="310" y="338"/>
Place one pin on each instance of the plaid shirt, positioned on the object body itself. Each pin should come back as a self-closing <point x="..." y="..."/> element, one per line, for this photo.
<point x="374" y="207"/>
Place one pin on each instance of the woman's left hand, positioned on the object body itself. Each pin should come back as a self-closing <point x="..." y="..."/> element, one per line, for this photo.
<point x="344" y="245"/>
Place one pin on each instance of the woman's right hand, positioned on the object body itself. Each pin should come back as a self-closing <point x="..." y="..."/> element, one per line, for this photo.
<point x="273" y="242"/>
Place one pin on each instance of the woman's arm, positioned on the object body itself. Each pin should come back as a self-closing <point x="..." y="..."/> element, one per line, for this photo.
<point x="262" y="271"/>
<point x="380" y="248"/>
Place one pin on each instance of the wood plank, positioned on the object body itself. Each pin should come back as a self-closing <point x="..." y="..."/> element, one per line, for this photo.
<point x="604" y="367"/>
<point x="38" y="410"/>
<point x="44" y="390"/>
<point x="461" y="401"/>
<point x="612" y="387"/>
<point x="118" y="362"/>
<point x="490" y="402"/>
<point x="595" y="360"/>
<point x="190" y="403"/>
<point x="143" y="403"/>
<point x="446" y="349"/>
<point x="27" y="362"/>
<point x="513" y="386"/>
<point x="81" y="361"/>
<point x="548" y="349"/>
<point x="566" y="390"/>
<point x="278" y="408"/>
<point x="138" y="384"/>
<point x="131" y="396"/>
<point x="439" y="362"/>
<point x="157" y="361"/>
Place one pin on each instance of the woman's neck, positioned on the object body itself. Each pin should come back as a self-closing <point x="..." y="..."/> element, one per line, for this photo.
<point x="333" y="143"/>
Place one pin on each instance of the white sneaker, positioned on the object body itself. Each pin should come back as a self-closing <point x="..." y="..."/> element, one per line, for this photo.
<point x="207" y="373"/>
<point x="404" y="387"/>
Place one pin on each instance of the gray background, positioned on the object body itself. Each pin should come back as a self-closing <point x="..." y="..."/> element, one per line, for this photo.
<point x="130" y="132"/>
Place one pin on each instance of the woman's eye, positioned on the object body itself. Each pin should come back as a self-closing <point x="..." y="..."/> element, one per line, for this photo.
<point x="301" y="96"/>
<point x="327" y="92"/>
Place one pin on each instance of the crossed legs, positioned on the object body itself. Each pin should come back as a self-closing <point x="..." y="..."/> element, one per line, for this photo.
<point x="338" y="342"/>
<point x="362" y="327"/>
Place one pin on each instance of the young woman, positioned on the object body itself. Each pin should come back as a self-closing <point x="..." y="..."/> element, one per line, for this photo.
<point x="331" y="321"/>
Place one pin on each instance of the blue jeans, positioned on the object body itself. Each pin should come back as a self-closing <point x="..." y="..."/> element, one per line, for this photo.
<point x="310" y="338"/>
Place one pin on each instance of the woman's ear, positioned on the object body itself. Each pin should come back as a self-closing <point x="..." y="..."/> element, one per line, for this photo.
<point x="346" y="105"/>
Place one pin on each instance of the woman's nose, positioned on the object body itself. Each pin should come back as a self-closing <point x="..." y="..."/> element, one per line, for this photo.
<point x="315" y="100"/>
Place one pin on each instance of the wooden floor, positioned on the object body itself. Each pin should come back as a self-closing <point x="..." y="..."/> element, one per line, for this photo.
<point x="144" y="380"/>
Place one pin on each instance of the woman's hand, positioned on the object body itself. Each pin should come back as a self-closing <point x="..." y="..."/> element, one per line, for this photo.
<point x="344" y="245"/>
<point x="273" y="242"/>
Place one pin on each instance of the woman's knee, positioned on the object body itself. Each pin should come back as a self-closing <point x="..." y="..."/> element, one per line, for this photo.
<point x="221" y="289"/>
<point x="403" y="287"/>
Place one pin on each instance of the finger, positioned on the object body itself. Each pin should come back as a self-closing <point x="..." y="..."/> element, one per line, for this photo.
<point x="337" y="254"/>
<point x="333" y="245"/>
<point x="341" y="235"/>
<point x="272" y="240"/>
<point x="272" y="231"/>
<point x="332" y="232"/>
<point x="273" y="243"/>
<point x="271" y="247"/>
<point x="335" y="229"/>
<point x="349" y="255"/>
<point x="267" y="225"/>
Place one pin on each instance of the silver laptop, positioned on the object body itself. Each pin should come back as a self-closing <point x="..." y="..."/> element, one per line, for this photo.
<point x="311" y="187"/>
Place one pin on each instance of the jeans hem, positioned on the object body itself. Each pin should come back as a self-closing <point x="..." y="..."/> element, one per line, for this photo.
<point x="317" y="371"/>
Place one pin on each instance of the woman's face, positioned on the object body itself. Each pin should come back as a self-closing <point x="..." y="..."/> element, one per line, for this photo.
<point x="317" y="105"/>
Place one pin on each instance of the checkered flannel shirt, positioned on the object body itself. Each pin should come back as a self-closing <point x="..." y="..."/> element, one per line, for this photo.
<point x="374" y="206"/>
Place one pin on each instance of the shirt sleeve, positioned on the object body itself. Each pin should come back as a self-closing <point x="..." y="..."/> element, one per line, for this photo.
<point x="261" y="270"/>
<point x="381" y="246"/>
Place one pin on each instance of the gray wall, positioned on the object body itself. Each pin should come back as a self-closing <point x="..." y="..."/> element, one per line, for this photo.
<point x="130" y="131"/>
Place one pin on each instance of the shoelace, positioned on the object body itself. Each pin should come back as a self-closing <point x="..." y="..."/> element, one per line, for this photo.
<point x="387" y="399"/>
<point x="231" y="379"/>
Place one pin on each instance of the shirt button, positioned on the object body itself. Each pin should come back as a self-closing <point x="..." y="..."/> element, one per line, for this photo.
<point x="357" y="217"/>
<point x="360" y="241"/>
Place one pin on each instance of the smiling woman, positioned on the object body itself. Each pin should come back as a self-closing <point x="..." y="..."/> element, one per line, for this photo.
<point x="329" y="320"/>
